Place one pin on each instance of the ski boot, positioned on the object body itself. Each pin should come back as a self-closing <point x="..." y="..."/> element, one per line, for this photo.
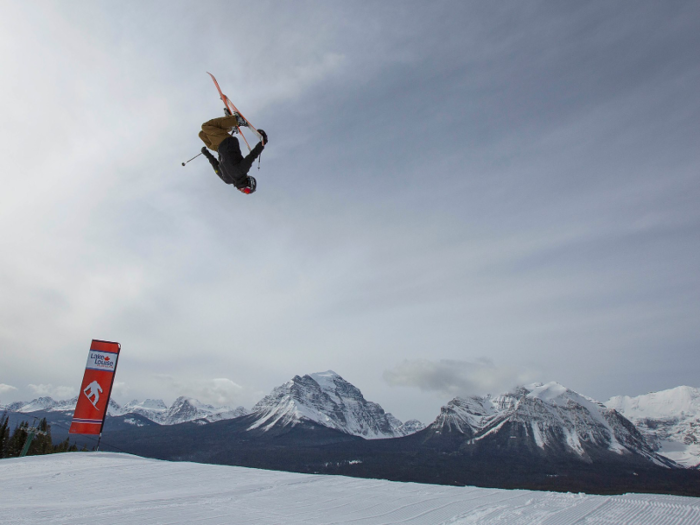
<point x="241" y="121"/>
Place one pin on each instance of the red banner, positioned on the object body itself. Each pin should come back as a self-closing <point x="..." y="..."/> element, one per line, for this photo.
<point x="93" y="399"/>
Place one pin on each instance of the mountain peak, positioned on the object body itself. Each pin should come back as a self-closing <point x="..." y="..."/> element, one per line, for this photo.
<point x="41" y="403"/>
<point x="551" y="391"/>
<point x="326" y="380"/>
<point x="670" y="419"/>
<point x="549" y="417"/>
<point x="325" y="398"/>
<point x="327" y="373"/>
<point x="673" y="402"/>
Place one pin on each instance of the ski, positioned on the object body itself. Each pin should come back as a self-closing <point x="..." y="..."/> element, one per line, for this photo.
<point x="233" y="109"/>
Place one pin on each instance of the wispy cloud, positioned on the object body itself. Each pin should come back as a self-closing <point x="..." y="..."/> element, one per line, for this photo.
<point x="56" y="392"/>
<point x="6" y="388"/>
<point x="218" y="391"/>
<point x="120" y="390"/>
<point x="451" y="377"/>
<point x="440" y="175"/>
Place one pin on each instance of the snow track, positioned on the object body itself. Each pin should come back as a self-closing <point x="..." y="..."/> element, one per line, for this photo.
<point x="89" y="488"/>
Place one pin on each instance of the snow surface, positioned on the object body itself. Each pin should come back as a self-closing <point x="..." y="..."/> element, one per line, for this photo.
<point x="88" y="488"/>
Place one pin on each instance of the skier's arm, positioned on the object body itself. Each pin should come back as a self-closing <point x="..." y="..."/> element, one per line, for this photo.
<point x="257" y="150"/>
<point x="247" y="162"/>
<point x="212" y="160"/>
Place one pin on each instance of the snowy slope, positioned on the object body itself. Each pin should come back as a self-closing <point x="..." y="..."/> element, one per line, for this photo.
<point x="72" y="488"/>
<point x="670" y="419"/>
<point x="327" y="399"/>
<point x="546" y="416"/>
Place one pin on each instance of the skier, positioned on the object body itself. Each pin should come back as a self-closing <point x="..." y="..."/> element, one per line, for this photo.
<point x="232" y="167"/>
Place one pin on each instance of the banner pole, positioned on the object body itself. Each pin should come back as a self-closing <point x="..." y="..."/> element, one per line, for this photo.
<point x="97" y="448"/>
<point x="109" y="396"/>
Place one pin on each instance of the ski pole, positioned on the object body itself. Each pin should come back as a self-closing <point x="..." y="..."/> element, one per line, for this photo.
<point x="191" y="159"/>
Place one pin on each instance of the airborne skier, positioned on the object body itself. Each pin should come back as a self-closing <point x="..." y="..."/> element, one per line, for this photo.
<point x="232" y="167"/>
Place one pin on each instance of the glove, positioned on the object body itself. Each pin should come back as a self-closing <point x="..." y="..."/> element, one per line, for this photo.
<point x="264" y="136"/>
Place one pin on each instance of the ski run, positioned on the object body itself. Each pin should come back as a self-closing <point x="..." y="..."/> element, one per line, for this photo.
<point x="95" y="487"/>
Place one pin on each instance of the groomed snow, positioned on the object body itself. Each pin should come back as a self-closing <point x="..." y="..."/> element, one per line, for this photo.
<point x="88" y="488"/>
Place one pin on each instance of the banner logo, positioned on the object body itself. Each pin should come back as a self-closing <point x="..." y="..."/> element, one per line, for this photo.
<point x="101" y="361"/>
<point x="92" y="392"/>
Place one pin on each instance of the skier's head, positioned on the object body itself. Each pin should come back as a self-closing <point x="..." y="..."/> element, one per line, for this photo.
<point x="250" y="188"/>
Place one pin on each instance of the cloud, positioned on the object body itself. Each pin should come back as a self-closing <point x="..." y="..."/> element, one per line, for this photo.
<point x="499" y="188"/>
<point x="218" y="391"/>
<point x="4" y="389"/>
<point x="58" y="392"/>
<point x="456" y="378"/>
<point x="119" y="389"/>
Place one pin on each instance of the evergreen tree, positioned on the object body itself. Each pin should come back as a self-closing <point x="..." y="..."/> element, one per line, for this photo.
<point x="63" y="446"/>
<point x="11" y="444"/>
<point x="41" y="444"/>
<point x="16" y="441"/>
<point x="4" y="434"/>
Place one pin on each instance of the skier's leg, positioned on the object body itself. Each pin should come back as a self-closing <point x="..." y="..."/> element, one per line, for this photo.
<point x="215" y="131"/>
<point x="205" y="139"/>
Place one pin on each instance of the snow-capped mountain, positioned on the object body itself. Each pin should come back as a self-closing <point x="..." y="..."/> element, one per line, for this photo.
<point x="323" y="398"/>
<point x="49" y="404"/>
<point x="328" y="400"/>
<point x="186" y="409"/>
<point x="670" y="420"/>
<point x="41" y="403"/>
<point x="404" y="429"/>
<point x="411" y="427"/>
<point x="545" y="417"/>
<point x="182" y="410"/>
<point x="153" y="409"/>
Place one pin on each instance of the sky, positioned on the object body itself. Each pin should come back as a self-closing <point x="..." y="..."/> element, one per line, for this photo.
<point x="457" y="197"/>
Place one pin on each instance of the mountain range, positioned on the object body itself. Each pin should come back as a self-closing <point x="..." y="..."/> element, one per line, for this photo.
<point x="535" y="436"/>
<point x="182" y="410"/>
<point x="543" y="419"/>
<point x="669" y="420"/>
<point x="324" y="398"/>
